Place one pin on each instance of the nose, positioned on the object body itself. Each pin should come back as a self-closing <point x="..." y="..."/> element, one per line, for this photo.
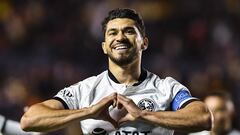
<point x="120" y="36"/>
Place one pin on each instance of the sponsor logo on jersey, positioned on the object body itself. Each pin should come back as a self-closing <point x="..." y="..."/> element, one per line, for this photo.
<point x="66" y="92"/>
<point x="100" y="131"/>
<point x="146" y="104"/>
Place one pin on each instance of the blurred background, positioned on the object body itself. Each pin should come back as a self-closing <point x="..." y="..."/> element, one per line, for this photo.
<point x="46" y="45"/>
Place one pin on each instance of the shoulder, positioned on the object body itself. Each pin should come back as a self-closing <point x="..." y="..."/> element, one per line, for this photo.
<point x="167" y="84"/>
<point x="161" y="81"/>
<point x="85" y="84"/>
<point x="91" y="80"/>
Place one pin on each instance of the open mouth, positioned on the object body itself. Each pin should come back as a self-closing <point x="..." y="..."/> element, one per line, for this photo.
<point x="121" y="46"/>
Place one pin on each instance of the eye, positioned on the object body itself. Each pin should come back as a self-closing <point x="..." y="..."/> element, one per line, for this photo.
<point x="130" y="31"/>
<point x="112" y="33"/>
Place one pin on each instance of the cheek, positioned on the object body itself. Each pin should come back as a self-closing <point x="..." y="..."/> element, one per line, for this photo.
<point x="139" y="41"/>
<point x="109" y="41"/>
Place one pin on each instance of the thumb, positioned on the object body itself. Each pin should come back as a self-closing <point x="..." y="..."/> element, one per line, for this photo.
<point x="112" y="121"/>
<point x="122" y="120"/>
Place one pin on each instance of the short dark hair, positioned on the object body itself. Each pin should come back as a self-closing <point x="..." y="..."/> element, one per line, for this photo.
<point x="124" y="13"/>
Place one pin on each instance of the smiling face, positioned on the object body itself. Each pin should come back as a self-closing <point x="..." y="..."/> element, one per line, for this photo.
<point x="123" y="41"/>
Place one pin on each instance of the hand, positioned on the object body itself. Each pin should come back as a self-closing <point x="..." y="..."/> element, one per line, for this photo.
<point x="133" y="112"/>
<point x="100" y="110"/>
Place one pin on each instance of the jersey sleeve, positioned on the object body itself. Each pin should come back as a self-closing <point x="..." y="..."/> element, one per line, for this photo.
<point x="69" y="97"/>
<point x="180" y="95"/>
<point x="181" y="99"/>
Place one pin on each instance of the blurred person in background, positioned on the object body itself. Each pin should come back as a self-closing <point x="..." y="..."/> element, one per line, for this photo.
<point x="14" y="101"/>
<point x="124" y="99"/>
<point x="222" y="107"/>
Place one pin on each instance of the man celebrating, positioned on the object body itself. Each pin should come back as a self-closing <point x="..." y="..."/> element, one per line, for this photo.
<point x="126" y="98"/>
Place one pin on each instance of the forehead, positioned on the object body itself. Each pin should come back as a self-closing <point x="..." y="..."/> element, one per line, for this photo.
<point x="120" y="23"/>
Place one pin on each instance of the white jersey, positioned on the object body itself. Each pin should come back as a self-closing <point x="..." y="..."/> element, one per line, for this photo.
<point x="152" y="93"/>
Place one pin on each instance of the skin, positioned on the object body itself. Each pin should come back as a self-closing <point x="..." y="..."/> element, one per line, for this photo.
<point x="223" y="113"/>
<point x="50" y="115"/>
<point x="126" y="66"/>
<point x="124" y="46"/>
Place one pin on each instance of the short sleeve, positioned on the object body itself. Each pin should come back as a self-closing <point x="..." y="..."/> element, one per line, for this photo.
<point x="68" y="97"/>
<point x="180" y="95"/>
<point x="182" y="98"/>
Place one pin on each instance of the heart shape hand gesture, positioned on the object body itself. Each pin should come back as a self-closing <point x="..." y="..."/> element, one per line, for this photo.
<point x="133" y="111"/>
<point x="101" y="109"/>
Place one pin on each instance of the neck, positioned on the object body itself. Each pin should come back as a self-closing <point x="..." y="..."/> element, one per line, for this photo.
<point x="127" y="74"/>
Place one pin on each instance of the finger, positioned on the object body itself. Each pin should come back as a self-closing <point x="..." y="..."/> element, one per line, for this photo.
<point x="122" y="120"/>
<point x="113" y="122"/>
<point x="124" y="100"/>
<point x="114" y="101"/>
<point x="119" y="105"/>
<point x="108" y="100"/>
<point x="128" y="104"/>
<point x="114" y="96"/>
<point x="122" y="97"/>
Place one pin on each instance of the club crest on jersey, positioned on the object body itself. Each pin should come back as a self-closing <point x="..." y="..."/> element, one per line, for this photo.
<point x="146" y="104"/>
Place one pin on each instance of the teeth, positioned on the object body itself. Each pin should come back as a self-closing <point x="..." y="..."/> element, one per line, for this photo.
<point x="121" y="47"/>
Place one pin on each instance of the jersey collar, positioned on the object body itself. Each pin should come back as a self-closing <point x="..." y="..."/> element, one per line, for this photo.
<point x="141" y="78"/>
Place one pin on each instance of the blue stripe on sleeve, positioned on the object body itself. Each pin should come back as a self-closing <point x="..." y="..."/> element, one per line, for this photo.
<point x="181" y="96"/>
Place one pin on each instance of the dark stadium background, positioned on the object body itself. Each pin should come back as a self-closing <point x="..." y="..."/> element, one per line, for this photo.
<point x="46" y="45"/>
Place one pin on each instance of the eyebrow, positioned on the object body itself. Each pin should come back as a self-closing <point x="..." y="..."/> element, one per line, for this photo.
<point x="129" y="27"/>
<point x="112" y="29"/>
<point x="125" y="28"/>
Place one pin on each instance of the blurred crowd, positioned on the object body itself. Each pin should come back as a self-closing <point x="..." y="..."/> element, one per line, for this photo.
<point x="46" y="45"/>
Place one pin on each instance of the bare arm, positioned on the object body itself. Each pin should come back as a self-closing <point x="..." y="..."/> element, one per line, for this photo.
<point x="51" y="115"/>
<point x="194" y="117"/>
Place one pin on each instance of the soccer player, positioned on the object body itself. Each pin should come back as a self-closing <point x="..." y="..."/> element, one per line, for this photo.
<point x="126" y="99"/>
<point x="222" y="107"/>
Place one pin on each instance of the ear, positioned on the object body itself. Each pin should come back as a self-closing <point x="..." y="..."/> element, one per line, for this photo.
<point x="104" y="48"/>
<point x="145" y="43"/>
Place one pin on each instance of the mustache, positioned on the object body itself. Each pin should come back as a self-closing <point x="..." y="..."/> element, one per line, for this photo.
<point x="123" y="42"/>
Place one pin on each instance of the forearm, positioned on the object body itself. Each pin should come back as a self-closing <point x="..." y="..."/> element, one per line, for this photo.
<point x="193" y="118"/>
<point x="42" y="118"/>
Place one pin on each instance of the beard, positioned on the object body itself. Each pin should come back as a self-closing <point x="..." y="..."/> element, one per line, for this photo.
<point x="123" y="59"/>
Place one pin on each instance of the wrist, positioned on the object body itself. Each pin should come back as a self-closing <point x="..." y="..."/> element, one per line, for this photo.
<point x="88" y="112"/>
<point x="144" y="114"/>
<point x="138" y="115"/>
